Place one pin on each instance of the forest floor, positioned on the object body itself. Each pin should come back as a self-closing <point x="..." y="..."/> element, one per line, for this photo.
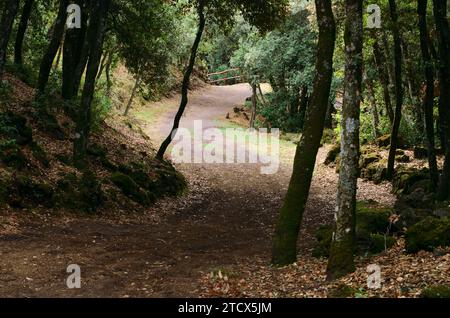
<point x="214" y="241"/>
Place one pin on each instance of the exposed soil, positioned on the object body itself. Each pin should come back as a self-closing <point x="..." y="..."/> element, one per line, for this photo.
<point x="226" y="218"/>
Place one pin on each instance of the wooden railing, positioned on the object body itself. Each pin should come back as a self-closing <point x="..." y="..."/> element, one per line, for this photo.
<point x="225" y="78"/>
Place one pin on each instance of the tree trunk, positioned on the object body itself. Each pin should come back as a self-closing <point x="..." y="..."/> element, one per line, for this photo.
<point x="52" y="49"/>
<point x="289" y="221"/>
<point x="254" y="105"/>
<point x="186" y="80"/>
<point x="133" y="93"/>
<point x="342" y="248"/>
<point x="263" y="98"/>
<point x="108" y="73"/>
<point x="386" y="51"/>
<point x="373" y="105"/>
<point x="413" y="89"/>
<point x="73" y="48"/>
<point x="428" y="101"/>
<point x="443" y="34"/>
<point x="21" y="30"/>
<point x="58" y="58"/>
<point x="96" y="35"/>
<point x="303" y="104"/>
<point x="398" y="89"/>
<point x="6" y="23"/>
<point x="384" y="80"/>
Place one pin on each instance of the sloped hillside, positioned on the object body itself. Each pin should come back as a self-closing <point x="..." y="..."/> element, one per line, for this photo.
<point x="36" y="171"/>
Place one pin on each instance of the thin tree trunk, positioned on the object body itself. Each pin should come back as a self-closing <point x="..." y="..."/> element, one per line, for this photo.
<point x="342" y="248"/>
<point x="21" y="30"/>
<point x="96" y="35"/>
<point x="133" y="93"/>
<point x="386" y="51"/>
<point x="412" y="89"/>
<point x="428" y="101"/>
<point x="398" y="89"/>
<point x="102" y="65"/>
<point x="108" y="73"/>
<point x="384" y="80"/>
<point x="58" y="57"/>
<point x="6" y="23"/>
<point x="289" y="221"/>
<point x="254" y="104"/>
<point x="186" y="80"/>
<point x="263" y="98"/>
<point x="52" y="49"/>
<point x="373" y="105"/>
<point x="443" y="34"/>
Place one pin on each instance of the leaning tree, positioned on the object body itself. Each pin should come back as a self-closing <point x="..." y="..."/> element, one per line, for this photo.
<point x="264" y="14"/>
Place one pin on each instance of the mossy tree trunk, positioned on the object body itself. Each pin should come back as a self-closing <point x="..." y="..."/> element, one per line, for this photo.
<point x="21" y="30"/>
<point x="398" y="89"/>
<point x="6" y="23"/>
<point x="342" y="247"/>
<point x="289" y="221"/>
<point x="53" y="46"/>
<point x="443" y="34"/>
<point x="96" y="34"/>
<point x="428" y="101"/>
<point x="186" y="80"/>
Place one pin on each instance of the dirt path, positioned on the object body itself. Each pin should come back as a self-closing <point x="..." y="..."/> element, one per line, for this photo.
<point x="227" y="217"/>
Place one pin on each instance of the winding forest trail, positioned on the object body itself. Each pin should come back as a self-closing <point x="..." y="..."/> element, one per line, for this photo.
<point x="227" y="217"/>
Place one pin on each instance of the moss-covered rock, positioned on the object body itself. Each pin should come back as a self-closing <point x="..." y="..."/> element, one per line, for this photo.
<point x="342" y="291"/>
<point x="375" y="171"/>
<point x="428" y="234"/>
<point x="367" y="159"/>
<point x="371" y="218"/>
<point x="436" y="291"/>
<point x="372" y="222"/>
<point x="405" y="179"/>
<point x="410" y="216"/>
<point x="131" y="189"/>
<point x="379" y="243"/>
<point x="333" y="153"/>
